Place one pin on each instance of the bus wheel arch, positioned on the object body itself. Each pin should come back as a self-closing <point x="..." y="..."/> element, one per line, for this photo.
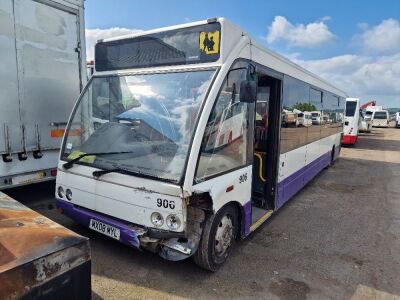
<point x="333" y="155"/>
<point x="218" y="237"/>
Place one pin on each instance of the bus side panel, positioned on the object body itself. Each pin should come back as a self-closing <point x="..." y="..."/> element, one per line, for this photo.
<point x="292" y="180"/>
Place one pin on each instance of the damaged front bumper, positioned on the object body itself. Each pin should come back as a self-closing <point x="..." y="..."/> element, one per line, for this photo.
<point x="168" y="244"/>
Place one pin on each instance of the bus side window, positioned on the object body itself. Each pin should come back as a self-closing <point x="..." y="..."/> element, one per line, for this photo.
<point x="225" y="140"/>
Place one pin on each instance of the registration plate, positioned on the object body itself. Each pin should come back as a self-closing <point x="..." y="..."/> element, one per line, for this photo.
<point x="105" y="229"/>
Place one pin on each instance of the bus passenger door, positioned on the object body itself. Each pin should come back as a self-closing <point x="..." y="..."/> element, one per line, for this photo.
<point x="266" y="146"/>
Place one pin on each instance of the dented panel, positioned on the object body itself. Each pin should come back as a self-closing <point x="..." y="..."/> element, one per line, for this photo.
<point x="34" y="250"/>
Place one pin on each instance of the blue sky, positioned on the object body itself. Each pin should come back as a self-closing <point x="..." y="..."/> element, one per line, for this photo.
<point x="347" y="42"/>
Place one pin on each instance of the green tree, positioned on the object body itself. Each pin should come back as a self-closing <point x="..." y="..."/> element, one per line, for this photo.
<point x="304" y="106"/>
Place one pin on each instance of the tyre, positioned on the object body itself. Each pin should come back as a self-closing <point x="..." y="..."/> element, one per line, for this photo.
<point x="218" y="238"/>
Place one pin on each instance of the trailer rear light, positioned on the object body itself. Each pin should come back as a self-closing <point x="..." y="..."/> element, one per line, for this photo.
<point x="57" y="133"/>
<point x="53" y="172"/>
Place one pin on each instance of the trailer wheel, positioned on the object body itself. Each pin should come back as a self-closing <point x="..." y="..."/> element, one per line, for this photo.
<point x="218" y="238"/>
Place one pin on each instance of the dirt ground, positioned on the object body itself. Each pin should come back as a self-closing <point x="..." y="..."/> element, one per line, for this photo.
<point x="339" y="238"/>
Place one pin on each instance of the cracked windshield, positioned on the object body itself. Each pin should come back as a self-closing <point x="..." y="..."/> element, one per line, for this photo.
<point x="145" y="122"/>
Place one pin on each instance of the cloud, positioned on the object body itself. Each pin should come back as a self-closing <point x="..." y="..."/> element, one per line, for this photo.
<point x="92" y="35"/>
<point x="382" y="38"/>
<point x="300" y="35"/>
<point x="362" y="76"/>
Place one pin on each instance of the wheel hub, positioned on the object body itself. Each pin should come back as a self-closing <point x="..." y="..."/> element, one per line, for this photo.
<point x="224" y="235"/>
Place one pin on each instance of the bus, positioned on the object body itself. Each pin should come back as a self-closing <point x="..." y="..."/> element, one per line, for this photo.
<point x="352" y="121"/>
<point x="143" y="160"/>
<point x="380" y="118"/>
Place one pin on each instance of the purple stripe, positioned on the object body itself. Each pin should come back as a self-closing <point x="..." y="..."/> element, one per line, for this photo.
<point x="292" y="184"/>
<point x="128" y="235"/>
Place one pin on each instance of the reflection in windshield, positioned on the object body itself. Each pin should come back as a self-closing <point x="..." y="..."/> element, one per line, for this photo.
<point x="149" y="118"/>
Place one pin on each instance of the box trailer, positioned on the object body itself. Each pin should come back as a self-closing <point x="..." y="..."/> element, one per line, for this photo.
<point x="40" y="259"/>
<point x="42" y="70"/>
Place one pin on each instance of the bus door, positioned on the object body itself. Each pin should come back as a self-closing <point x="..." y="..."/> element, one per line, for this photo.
<point x="266" y="146"/>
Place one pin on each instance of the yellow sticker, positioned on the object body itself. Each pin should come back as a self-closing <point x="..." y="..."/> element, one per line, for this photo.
<point x="209" y="42"/>
<point x="86" y="159"/>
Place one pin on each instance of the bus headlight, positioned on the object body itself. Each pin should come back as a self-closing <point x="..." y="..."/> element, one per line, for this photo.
<point x="173" y="222"/>
<point x="157" y="219"/>
<point x="60" y="192"/>
<point x="68" y="194"/>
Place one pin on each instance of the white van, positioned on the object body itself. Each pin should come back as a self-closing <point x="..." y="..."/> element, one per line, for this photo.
<point x="304" y="119"/>
<point x="316" y="118"/>
<point x="380" y="118"/>
<point x="397" y="119"/>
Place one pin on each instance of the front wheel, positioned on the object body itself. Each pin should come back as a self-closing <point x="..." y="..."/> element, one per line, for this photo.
<point x="218" y="238"/>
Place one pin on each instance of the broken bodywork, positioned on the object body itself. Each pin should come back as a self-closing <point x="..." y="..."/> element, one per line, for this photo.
<point x="39" y="258"/>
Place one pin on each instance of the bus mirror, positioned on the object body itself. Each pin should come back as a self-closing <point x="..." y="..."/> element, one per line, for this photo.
<point x="248" y="91"/>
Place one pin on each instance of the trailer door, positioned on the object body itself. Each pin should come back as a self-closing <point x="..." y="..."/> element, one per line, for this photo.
<point x="48" y="66"/>
<point x="10" y="126"/>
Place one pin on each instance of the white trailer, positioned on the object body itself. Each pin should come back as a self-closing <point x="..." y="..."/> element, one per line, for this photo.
<point x="42" y="71"/>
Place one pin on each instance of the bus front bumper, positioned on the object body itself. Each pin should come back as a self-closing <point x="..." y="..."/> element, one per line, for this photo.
<point x="166" y="243"/>
<point x="128" y="233"/>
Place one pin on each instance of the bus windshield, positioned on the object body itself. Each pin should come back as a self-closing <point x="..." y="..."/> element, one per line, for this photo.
<point x="145" y="122"/>
<point x="351" y="108"/>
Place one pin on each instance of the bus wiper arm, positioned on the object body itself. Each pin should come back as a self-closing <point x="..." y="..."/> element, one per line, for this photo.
<point x="69" y="164"/>
<point x="99" y="173"/>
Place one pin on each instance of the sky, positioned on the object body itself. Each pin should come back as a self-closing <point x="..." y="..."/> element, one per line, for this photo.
<point x="354" y="44"/>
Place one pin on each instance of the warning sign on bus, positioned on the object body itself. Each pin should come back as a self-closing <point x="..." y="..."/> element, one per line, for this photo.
<point x="209" y="42"/>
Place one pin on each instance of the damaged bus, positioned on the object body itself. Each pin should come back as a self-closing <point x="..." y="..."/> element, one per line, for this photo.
<point x="176" y="144"/>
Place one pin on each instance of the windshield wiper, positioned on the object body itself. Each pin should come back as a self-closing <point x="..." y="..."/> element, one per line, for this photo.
<point x="116" y="169"/>
<point x="69" y="164"/>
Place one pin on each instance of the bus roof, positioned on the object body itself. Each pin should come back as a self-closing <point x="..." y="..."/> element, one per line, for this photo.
<point x="231" y="34"/>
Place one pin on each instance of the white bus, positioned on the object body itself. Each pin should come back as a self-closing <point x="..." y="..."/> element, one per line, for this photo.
<point x="154" y="175"/>
<point x="352" y="121"/>
<point x="380" y="118"/>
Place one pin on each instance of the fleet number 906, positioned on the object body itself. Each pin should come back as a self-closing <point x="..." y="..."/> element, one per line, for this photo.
<point x="165" y="203"/>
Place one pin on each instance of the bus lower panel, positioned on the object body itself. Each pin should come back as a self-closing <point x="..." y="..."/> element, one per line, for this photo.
<point x="295" y="182"/>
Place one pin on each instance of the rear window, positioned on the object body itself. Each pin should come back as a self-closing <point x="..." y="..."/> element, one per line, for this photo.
<point x="183" y="46"/>
<point x="380" y="115"/>
<point x="351" y="108"/>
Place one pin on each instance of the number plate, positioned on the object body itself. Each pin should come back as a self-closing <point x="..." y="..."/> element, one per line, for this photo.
<point x="105" y="229"/>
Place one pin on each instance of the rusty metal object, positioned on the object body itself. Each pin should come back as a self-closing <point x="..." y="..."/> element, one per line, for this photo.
<point x="35" y="251"/>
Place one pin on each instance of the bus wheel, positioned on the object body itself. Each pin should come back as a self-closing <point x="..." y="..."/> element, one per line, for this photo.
<point x="218" y="238"/>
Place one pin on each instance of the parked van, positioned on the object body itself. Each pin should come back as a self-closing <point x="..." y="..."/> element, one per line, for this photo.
<point x="304" y="119"/>
<point x="380" y="118"/>
<point x="316" y="118"/>
<point x="397" y="119"/>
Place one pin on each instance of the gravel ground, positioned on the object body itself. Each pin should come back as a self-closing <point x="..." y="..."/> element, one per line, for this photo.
<point x="339" y="238"/>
